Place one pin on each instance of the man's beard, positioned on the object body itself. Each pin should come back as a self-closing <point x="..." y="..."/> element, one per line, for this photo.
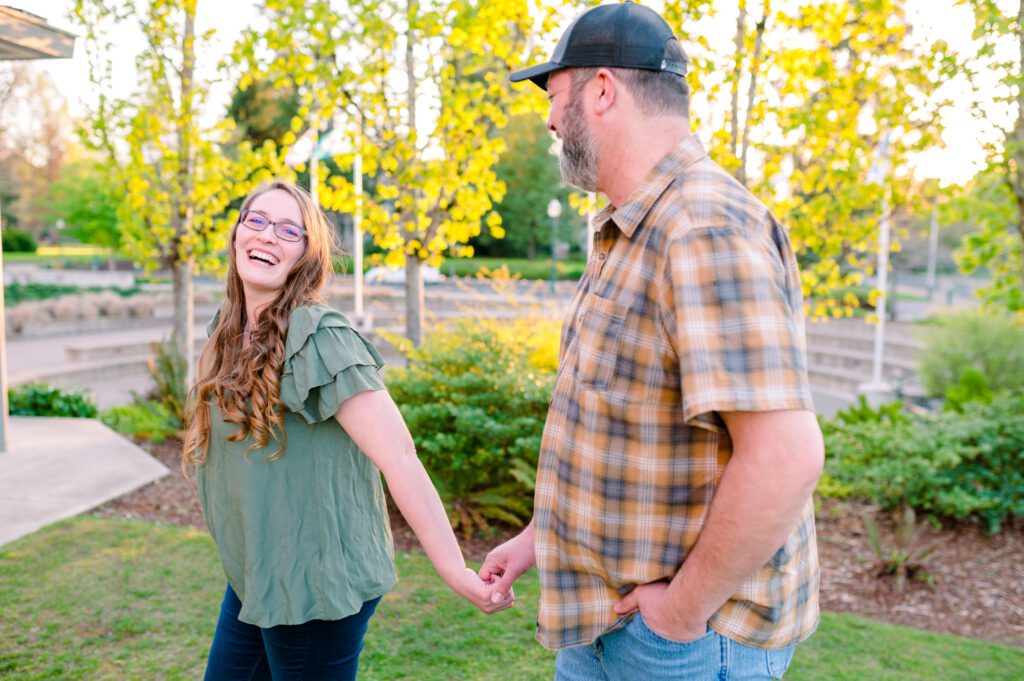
<point x="578" y="157"/>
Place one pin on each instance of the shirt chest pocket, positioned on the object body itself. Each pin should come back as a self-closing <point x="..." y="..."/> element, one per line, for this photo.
<point x="600" y="327"/>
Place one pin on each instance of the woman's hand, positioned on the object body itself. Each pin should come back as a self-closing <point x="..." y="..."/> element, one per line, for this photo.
<point x="479" y="592"/>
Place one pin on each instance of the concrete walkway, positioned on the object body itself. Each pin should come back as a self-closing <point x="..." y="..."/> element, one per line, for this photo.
<point x="56" y="468"/>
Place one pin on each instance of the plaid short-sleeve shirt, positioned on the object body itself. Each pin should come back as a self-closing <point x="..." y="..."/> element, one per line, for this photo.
<point x="690" y="306"/>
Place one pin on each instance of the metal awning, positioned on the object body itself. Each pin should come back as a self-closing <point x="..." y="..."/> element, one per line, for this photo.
<point x="23" y="35"/>
<point x="26" y="36"/>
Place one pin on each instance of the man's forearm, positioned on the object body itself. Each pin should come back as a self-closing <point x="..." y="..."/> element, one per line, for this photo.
<point x="759" y="501"/>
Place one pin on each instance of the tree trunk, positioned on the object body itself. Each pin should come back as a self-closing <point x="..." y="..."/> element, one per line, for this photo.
<point x="184" y="316"/>
<point x="182" y="262"/>
<point x="1017" y="144"/>
<point x="413" y="300"/>
<point x="755" y="64"/>
<point x="737" y="71"/>
<point x="413" y="280"/>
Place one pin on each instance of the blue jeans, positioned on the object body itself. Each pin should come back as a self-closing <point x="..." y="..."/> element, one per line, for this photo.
<point x="638" y="653"/>
<point x="319" y="649"/>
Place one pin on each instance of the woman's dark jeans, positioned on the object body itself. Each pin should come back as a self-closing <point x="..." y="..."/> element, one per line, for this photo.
<point x="320" y="649"/>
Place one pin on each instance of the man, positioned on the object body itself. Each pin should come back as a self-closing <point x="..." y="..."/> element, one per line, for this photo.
<point x="673" y="526"/>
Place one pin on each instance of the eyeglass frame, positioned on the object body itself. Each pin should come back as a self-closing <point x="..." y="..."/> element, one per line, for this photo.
<point x="271" y="223"/>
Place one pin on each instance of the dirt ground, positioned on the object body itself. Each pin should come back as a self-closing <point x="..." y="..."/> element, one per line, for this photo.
<point x="974" y="584"/>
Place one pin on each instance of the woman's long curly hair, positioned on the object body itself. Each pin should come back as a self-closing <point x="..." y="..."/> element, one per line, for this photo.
<point x="244" y="382"/>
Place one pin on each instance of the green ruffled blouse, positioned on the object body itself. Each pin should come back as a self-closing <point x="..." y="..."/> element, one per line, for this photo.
<point x="306" y="536"/>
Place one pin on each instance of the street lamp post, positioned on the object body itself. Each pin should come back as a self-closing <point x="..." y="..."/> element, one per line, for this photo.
<point x="878" y="391"/>
<point x="554" y="212"/>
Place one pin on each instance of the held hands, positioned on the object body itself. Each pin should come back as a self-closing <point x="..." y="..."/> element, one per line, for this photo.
<point x="504" y="565"/>
<point x="481" y="593"/>
<point x="661" y="613"/>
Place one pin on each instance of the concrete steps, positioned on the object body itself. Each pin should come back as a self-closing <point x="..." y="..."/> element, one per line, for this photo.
<point x="95" y="351"/>
<point x="161" y="318"/>
<point x="840" y="356"/>
<point x="90" y="372"/>
<point x="840" y="352"/>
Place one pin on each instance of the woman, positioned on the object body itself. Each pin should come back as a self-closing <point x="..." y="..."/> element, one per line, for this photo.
<point x="288" y="427"/>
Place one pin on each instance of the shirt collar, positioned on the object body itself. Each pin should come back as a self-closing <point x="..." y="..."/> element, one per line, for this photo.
<point x="632" y="212"/>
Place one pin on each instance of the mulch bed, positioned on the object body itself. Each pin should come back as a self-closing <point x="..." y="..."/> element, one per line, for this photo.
<point x="975" y="584"/>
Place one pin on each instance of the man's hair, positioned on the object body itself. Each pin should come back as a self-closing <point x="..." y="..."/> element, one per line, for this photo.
<point x="655" y="92"/>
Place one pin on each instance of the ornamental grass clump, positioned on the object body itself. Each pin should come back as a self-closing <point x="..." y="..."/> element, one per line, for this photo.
<point x="904" y="556"/>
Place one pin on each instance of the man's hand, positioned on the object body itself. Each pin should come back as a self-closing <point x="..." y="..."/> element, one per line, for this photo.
<point x="506" y="563"/>
<point x="481" y="594"/>
<point x="660" y="614"/>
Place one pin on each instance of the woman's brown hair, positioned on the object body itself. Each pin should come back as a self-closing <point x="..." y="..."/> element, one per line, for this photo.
<point x="243" y="382"/>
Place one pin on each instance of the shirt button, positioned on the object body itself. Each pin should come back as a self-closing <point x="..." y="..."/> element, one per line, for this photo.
<point x="601" y="255"/>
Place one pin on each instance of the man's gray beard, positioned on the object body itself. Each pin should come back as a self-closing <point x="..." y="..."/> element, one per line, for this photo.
<point x="578" y="157"/>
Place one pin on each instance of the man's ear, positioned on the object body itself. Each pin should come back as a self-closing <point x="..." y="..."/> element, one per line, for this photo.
<point x="607" y="91"/>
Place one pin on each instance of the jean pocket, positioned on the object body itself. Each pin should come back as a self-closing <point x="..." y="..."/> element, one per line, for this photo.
<point x="778" y="661"/>
<point x="645" y="630"/>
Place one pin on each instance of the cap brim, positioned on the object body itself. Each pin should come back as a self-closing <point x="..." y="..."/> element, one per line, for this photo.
<point x="538" y="74"/>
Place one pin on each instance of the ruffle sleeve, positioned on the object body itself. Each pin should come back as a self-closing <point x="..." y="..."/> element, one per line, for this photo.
<point x="326" y="362"/>
<point x="211" y="325"/>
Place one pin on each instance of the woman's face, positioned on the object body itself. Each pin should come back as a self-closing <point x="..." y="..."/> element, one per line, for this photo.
<point x="264" y="259"/>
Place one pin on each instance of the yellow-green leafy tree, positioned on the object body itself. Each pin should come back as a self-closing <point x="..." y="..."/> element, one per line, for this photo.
<point x="435" y="96"/>
<point x="806" y="93"/>
<point x="426" y="84"/>
<point x="175" y="177"/>
<point x="994" y="201"/>
<point x="306" y="46"/>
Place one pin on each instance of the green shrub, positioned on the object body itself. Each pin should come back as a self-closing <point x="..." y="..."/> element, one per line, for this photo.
<point x="38" y="399"/>
<point x="18" y="293"/>
<point x="972" y="387"/>
<point x="993" y="347"/>
<point x="143" y="419"/>
<point x="475" y="396"/>
<point x="18" y="241"/>
<point x="864" y="413"/>
<point x="957" y="464"/>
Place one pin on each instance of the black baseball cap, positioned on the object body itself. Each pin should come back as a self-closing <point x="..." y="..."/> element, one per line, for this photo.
<point x="624" y="35"/>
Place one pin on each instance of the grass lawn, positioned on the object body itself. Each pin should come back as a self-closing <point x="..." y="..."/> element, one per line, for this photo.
<point x="538" y="268"/>
<point x="104" y="599"/>
<point x="57" y="261"/>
